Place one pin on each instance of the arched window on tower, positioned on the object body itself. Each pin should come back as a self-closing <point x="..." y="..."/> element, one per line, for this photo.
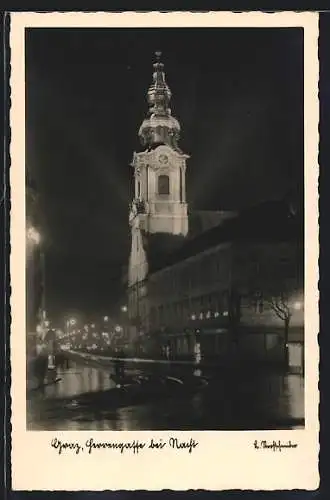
<point x="163" y="184"/>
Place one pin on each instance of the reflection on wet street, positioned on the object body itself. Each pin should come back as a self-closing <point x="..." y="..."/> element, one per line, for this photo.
<point x="77" y="380"/>
<point x="85" y="398"/>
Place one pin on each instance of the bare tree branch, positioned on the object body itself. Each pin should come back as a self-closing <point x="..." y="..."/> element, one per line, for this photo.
<point x="279" y="304"/>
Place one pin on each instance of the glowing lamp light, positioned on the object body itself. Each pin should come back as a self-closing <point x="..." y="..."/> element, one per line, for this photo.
<point x="124" y="308"/>
<point x="33" y="235"/>
<point x="297" y="305"/>
<point x="106" y="318"/>
<point x="193" y="317"/>
<point x="225" y="313"/>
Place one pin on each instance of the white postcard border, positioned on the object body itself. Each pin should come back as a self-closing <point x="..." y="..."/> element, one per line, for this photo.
<point x="222" y="460"/>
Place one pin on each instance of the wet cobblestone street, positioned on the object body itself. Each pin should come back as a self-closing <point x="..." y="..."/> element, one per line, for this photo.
<point x="86" y="398"/>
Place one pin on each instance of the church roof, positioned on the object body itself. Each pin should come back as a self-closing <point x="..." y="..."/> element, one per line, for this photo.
<point x="160" y="247"/>
<point x="270" y="222"/>
<point x="203" y="220"/>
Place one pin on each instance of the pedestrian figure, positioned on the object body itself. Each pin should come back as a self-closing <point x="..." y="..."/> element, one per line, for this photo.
<point x="119" y="365"/>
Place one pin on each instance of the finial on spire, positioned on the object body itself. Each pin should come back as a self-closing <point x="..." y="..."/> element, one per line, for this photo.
<point x="159" y="126"/>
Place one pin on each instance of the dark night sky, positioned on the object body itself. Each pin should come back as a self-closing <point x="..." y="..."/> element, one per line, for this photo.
<point x="237" y="93"/>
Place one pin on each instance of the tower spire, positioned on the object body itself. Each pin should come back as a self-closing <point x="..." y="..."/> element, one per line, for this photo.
<point x="160" y="127"/>
<point x="159" y="94"/>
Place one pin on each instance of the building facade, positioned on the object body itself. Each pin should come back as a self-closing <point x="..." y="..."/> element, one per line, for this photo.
<point x="242" y="295"/>
<point x="233" y="287"/>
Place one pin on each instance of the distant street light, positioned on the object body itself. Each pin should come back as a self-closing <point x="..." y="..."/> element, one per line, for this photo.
<point x="124" y="308"/>
<point x="106" y="318"/>
<point x="33" y="235"/>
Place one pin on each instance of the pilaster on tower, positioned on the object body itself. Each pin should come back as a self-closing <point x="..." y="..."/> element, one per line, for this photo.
<point x="159" y="205"/>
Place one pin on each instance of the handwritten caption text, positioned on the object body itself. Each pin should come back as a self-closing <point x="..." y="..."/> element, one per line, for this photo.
<point x="135" y="446"/>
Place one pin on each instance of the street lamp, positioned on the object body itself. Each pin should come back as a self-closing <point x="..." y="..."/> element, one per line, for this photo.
<point x="34" y="239"/>
<point x="106" y="318"/>
<point x="33" y="236"/>
<point x="124" y="309"/>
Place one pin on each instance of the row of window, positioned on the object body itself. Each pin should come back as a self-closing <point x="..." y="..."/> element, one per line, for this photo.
<point x="204" y="307"/>
<point x="207" y="270"/>
<point x="211" y="268"/>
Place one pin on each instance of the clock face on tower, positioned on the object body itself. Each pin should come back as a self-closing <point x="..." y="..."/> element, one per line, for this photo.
<point x="163" y="159"/>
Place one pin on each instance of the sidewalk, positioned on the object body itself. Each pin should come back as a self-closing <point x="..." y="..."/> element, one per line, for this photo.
<point x="228" y="365"/>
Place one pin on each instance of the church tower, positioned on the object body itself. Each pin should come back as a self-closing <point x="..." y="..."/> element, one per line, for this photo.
<point x="159" y="204"/>
<point x="158" y="210"/>
<point x="160" y="169"/>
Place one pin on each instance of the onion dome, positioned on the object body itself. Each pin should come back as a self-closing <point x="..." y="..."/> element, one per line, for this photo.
<point x="160" y="127"/>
